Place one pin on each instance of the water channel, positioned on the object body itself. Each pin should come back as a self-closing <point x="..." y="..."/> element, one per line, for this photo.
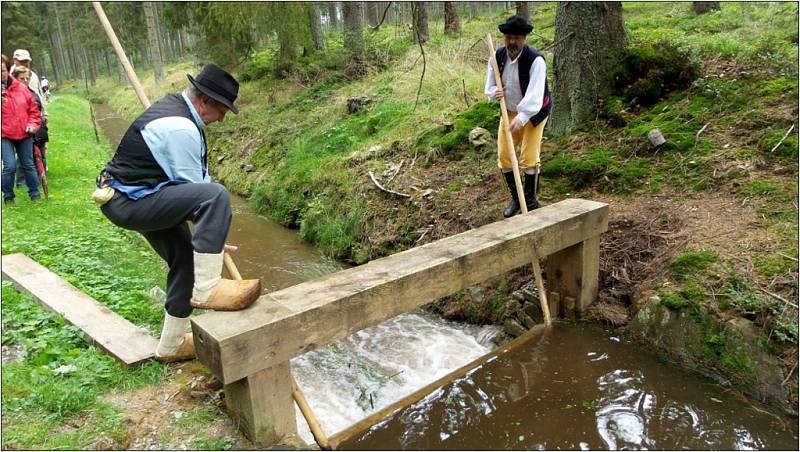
<point x="575" y="387"/>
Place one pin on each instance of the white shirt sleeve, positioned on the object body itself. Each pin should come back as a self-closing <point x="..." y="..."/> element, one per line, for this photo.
<point x="177" y="147"/>
<point x="532" y="102"/>
<point x="491" y="85"/>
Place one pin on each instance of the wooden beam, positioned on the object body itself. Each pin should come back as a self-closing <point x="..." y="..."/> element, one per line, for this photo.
<point x="263" y="405"/>
<point x="292" y="321"/>
<point x="102" y="327"/>
<point x="573" y="273"/>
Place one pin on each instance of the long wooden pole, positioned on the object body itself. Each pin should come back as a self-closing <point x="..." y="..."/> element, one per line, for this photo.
<point x="137" y="87"/>
<point x="537" y="271"/>
<point x="229" y="264"/>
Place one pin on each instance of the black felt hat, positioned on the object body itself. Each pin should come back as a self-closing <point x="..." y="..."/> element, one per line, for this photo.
<point x="217" y="84"/>
<point x="516" y="25"/>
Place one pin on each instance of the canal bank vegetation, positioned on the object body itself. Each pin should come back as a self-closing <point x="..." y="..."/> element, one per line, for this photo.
<point x="707" y="221"/>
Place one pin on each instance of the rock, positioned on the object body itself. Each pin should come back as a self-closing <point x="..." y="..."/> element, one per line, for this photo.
<point x="743" y="348"/>
<point x="530" y="295"/>
<point x="534" y="311"/>
<point x="526" y="320"/>
<point x="249" y="168"/>
<point x="513" y="328"/>
<point x="518" y="297"/>
<point x="477" y="294"/>
<point x="357" y="103"/>
<point x="480" y="137"/>
<point x="656" y="138"/>
<point x="198" y="394"/>
<point x="158" y="295"/>
<point x="220" y="158"/>
<point x="214" y="384"/>
<point x="372" y="152"/>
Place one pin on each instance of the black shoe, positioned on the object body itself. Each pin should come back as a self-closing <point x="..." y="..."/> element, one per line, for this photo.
<point x="8" y="201"/>
<point x="513" y="207"/>
<point x="36" y="198"/>
<point x="531" y="190"/>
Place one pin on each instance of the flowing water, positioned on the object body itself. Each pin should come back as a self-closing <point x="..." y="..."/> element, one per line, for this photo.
<point x="575" y="387"/>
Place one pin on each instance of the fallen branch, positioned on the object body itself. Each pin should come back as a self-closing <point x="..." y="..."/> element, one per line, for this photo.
<point x="788" y="257"/>
<point x="377" y="184"/>
<point x="396" y="172"/>
<point x="702" y="129"/>
<point x="776" y="296"/>
<point x="554" y="43"/>
<point x="782" y="139"/>
<point x="427" y="230"/>
<point x="789" y="375"/>
<point x="378" y="27"/>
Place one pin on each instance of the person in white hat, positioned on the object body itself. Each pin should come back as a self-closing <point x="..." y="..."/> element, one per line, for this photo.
<point x="23" y="58"/>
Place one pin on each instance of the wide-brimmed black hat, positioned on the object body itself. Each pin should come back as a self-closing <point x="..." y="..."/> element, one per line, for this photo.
<point x="217" y="84"/>
<point x="516" y="25"/>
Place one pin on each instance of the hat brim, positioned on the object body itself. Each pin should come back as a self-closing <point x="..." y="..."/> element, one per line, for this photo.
<point x="217" y="97"/>
<point x="515" y="31"/>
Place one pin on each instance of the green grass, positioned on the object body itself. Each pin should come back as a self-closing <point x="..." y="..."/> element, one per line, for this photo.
<point x="44" y="408"/>
<point x="691" y="262"/>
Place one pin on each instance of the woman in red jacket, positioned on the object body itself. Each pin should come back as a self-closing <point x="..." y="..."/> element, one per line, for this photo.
<point x="21" y="120"/>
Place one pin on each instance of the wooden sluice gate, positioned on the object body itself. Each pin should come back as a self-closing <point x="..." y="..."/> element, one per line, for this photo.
<point x="249" y="351"/>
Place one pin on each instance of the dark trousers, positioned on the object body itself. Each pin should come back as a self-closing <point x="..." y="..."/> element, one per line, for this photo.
<point x="161" y="218"/>
<point x="18" y="153"/>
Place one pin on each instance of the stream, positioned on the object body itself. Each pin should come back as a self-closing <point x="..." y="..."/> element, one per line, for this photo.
<point x="578" y="386"/>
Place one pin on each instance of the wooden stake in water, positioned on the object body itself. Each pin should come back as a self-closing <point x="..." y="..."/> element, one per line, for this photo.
<point x="537" y="271"/>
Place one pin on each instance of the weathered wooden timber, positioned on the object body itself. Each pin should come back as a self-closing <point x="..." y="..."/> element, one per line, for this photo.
<point x="284" y="324"/>
<point x="120" y="338"/>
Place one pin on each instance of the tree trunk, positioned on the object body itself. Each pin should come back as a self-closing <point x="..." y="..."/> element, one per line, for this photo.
<point x="522" y="9"/>
<point x="353" y="29"/>
<point x="705" y="7"/>
<point x="315" y="26"/>
<point x="590" y="40"/>
<point x="152" y="40"/>
<point x="420" y="11"/>
<point x="73" y="53"/>
<point x="332" y="15"/>
<point x="452" y="25"/>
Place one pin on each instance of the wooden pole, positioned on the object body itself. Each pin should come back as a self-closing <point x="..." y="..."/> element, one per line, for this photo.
<point x="537" y="271"/>
<point x="229" y="264"/>
<point x="123" y="59"/>
<point x="313" y="424"/>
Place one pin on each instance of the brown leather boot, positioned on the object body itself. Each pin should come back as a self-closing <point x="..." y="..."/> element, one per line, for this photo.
<point x="185" y="351"/>
<point x="230" y="295"/>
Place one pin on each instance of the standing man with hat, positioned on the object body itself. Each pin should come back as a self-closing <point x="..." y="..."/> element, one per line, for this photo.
<point x="524" y="74"/>
<point x="23" y="58"/>
<point x="157" y="181"/>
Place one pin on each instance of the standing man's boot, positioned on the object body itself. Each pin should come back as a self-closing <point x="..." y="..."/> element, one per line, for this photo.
<point x="211" y="291"/>
<point x="513" y="207"/>
<point x="531" y="190"/>
<point x="175" y="343"/>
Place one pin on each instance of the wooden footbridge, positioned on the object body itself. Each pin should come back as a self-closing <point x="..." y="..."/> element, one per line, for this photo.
<point x="249" y="351"/>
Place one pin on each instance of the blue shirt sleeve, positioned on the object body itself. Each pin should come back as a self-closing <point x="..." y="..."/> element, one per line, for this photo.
<point x="177" y="146"/>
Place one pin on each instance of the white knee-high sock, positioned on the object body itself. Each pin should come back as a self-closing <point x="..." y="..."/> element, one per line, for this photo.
<point x="207" y="271"/>
<point x="172" y="334"/>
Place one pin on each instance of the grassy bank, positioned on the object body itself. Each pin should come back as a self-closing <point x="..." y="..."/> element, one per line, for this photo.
<point x="55" y="390"/>
<point x="723" y="188"/>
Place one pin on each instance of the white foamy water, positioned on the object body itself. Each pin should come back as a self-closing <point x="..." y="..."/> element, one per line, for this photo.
<point x="351" y="379"/>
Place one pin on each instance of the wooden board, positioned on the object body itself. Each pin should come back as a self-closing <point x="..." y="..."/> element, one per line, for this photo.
<point x="120" y="338"/>
<point x="292" y="321"/>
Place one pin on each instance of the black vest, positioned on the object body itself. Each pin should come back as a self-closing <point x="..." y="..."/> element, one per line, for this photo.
<point x="133" y="163"/>
<point x="526" y="60"/>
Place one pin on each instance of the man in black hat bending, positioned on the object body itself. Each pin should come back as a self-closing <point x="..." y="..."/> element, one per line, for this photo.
<point x="524" y="74"/>
<point x="157" y="181"/>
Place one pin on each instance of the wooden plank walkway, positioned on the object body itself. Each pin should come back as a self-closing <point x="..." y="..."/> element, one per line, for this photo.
<point x="120" y="338"/>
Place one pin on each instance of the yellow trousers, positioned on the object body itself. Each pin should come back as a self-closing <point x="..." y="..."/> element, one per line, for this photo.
<point x="529" y="142"/>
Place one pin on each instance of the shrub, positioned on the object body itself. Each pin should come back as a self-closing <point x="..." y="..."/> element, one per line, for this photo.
<point x="649" y="72"/>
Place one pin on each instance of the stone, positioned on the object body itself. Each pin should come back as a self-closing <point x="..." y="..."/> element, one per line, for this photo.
<point x="249" y="168"/>
<point x="220" y="158"/>
<point x="533" y="310"/>
<point x="477" y="294"/>
<point x="357" y="104"/>
<point x="513" y="328"/>
<point x="526" y="320"/>
<point x="372" y="152"/>
<point x="480" y="137"/>
<point x="530" y="295"/>
<point x="656" y="138"/>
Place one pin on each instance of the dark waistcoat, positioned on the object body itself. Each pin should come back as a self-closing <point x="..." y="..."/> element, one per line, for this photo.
<point x="526" y="60"/>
